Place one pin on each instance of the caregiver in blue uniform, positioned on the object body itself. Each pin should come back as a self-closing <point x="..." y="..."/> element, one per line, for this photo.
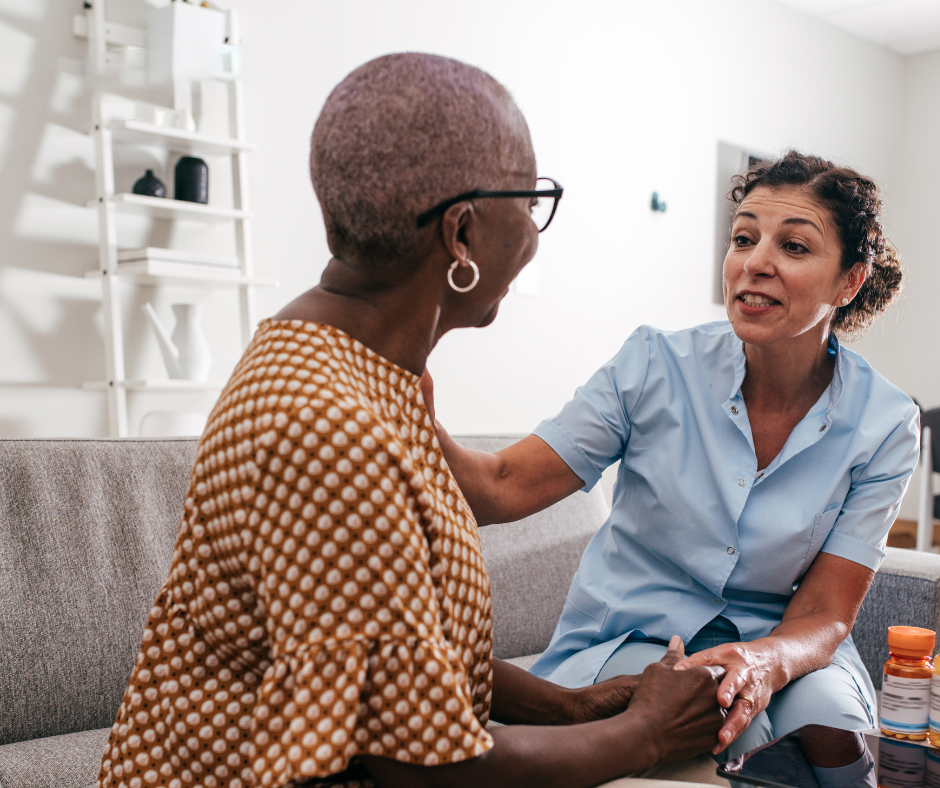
<point x="761" y="467"/>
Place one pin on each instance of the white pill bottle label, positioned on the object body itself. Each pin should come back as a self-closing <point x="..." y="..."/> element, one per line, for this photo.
<point x="934" y="720"/>
<point x="905" y="705"/>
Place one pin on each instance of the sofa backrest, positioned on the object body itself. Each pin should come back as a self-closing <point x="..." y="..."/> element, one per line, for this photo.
<point x="87" y="529"/>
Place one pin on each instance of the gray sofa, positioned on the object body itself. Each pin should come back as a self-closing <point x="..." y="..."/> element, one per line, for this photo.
<point x="87" y="529"/>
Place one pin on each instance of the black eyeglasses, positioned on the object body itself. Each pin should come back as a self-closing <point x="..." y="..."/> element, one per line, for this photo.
<point x="545" y="202"/>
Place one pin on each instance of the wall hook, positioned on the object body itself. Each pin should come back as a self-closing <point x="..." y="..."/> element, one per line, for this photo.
<point x="656" y="204"/>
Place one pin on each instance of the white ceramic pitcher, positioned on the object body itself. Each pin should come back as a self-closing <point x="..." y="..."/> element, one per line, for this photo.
<point x="186" y="352"/>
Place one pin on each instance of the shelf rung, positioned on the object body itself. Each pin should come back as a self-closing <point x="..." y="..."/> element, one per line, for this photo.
<point x="114" y="33"/>
<point x="153" y="385"/>
<point x="164" y="208"/>
<point x="186" y="280"/>
<point x="179" y="140"/>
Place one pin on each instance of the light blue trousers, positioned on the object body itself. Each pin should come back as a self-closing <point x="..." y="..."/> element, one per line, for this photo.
<point x="831" y="696"/>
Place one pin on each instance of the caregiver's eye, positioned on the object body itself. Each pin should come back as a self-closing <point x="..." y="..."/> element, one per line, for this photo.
<point x="795" y="247"/>
<point x="741" y="240"/>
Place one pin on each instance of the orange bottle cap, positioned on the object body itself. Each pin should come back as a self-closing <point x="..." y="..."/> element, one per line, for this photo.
<point x="911" y="641"/>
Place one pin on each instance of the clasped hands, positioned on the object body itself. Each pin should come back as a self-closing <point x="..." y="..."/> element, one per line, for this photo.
<point x="745" y="688"/>
<point x="741" y="694"/>
<point x="677" y="711"/>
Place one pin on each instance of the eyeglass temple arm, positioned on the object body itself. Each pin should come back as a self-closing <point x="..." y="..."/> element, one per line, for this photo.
<point x="425" y="218"/>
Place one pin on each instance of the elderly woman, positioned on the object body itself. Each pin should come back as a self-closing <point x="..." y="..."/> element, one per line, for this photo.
<point x="761" y="466"/>
<point x="328" y="612"/>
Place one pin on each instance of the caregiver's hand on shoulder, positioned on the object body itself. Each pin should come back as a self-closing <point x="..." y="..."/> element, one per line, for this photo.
<point x="509" y="485"/>
<point x="610" y="697"/>
<point x="749" y="681"/>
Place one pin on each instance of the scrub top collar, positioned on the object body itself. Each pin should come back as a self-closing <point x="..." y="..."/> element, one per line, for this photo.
<point x="810" y="429"/>
<point x="835" y="387"/>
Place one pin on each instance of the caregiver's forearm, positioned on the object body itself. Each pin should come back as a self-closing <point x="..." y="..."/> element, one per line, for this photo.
<point x="511" y="484"/>
<point x="802" y="645"/>
<point x="820" y="615"/>
<point x="478" y="474"/>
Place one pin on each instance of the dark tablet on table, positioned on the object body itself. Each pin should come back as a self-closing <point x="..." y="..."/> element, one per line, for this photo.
<point x="898" y="764"/>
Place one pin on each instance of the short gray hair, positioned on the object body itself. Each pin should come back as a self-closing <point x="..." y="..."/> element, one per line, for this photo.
<point x="401" y="134"/>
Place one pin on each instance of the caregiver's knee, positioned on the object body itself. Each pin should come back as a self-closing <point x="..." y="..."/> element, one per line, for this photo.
<point x="830" y="747"/>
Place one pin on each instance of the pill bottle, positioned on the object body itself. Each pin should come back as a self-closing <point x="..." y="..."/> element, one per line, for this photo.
<point x="905" y="689"/>
<point x="901" y="764"/>
<point x="933" y="732"/>
<point x="933" y="768"/>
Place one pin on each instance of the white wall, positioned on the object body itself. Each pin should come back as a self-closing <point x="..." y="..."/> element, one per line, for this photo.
<point x="904" y="347"/>
<point x="623" y="98"/>
<point x="906" y="344"/>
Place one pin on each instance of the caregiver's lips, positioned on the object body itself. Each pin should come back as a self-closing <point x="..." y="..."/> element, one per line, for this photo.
<point x="753" y="303"/>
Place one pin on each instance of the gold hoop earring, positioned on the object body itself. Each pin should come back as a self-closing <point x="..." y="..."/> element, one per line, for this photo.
<point x="469" y="287"/>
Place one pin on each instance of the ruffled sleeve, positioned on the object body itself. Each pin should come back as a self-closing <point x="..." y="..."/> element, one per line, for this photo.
<point x="323" y="706"/>
<point x="360" y="664"/>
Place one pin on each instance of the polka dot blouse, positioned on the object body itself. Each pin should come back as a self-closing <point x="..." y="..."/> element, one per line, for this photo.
<point x="327" y="598"/>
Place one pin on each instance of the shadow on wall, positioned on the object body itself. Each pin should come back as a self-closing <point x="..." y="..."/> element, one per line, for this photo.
<point x="50" y="314"/>
<point x="57" y="349"/>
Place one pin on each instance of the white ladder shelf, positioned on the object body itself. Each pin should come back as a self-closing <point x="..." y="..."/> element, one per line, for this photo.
<point x="105" y="41"/>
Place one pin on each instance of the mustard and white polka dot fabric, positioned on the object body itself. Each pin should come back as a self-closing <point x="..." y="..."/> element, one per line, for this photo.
<point x="327" y="598"/>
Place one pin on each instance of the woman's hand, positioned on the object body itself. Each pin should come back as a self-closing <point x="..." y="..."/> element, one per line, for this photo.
<point x="610" y="697"/>
<point x="752" y="675"/>
<point x="677" y="711"/>
<point x="818" y="618"/>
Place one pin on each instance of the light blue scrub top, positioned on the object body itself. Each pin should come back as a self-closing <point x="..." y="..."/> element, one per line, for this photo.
<point x="695" y="531"/>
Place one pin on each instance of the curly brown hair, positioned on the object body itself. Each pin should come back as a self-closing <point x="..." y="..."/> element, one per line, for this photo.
<point x="854" y="203"/>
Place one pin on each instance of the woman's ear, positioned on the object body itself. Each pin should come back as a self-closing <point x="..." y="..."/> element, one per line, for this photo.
<point x="854" y="280"/>
<point x="454" y="230"/>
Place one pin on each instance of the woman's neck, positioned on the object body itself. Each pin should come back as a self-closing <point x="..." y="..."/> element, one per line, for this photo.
<point x="399" y="320"/>
<point x="787" y="374"/>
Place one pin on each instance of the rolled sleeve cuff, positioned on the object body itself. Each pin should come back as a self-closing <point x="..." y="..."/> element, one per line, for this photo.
<point x="854" y="550"/>
<point x="565" y="447"/>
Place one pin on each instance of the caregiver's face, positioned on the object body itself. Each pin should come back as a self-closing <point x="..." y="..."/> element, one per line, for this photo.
<point x="782" y="274"/>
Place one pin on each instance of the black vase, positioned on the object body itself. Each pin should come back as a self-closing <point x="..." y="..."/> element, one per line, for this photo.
<point x="150" y="185"/>
<point x="192" y="180"/>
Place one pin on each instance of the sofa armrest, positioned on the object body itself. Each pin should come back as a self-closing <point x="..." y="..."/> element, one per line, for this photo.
<point x="905" y="592"/>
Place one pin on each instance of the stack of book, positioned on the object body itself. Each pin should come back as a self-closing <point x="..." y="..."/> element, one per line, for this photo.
<point x="168" y="262"/>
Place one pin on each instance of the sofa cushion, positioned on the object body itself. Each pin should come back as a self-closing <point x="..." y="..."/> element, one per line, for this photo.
<point x="531" y="562"/>
<point x="87" y="529"/>
<point x="69" y="761"/>
<point x="525" y="662"/>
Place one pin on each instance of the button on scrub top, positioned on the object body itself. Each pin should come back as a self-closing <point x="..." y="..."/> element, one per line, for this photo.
<point x="695" y="530"/>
